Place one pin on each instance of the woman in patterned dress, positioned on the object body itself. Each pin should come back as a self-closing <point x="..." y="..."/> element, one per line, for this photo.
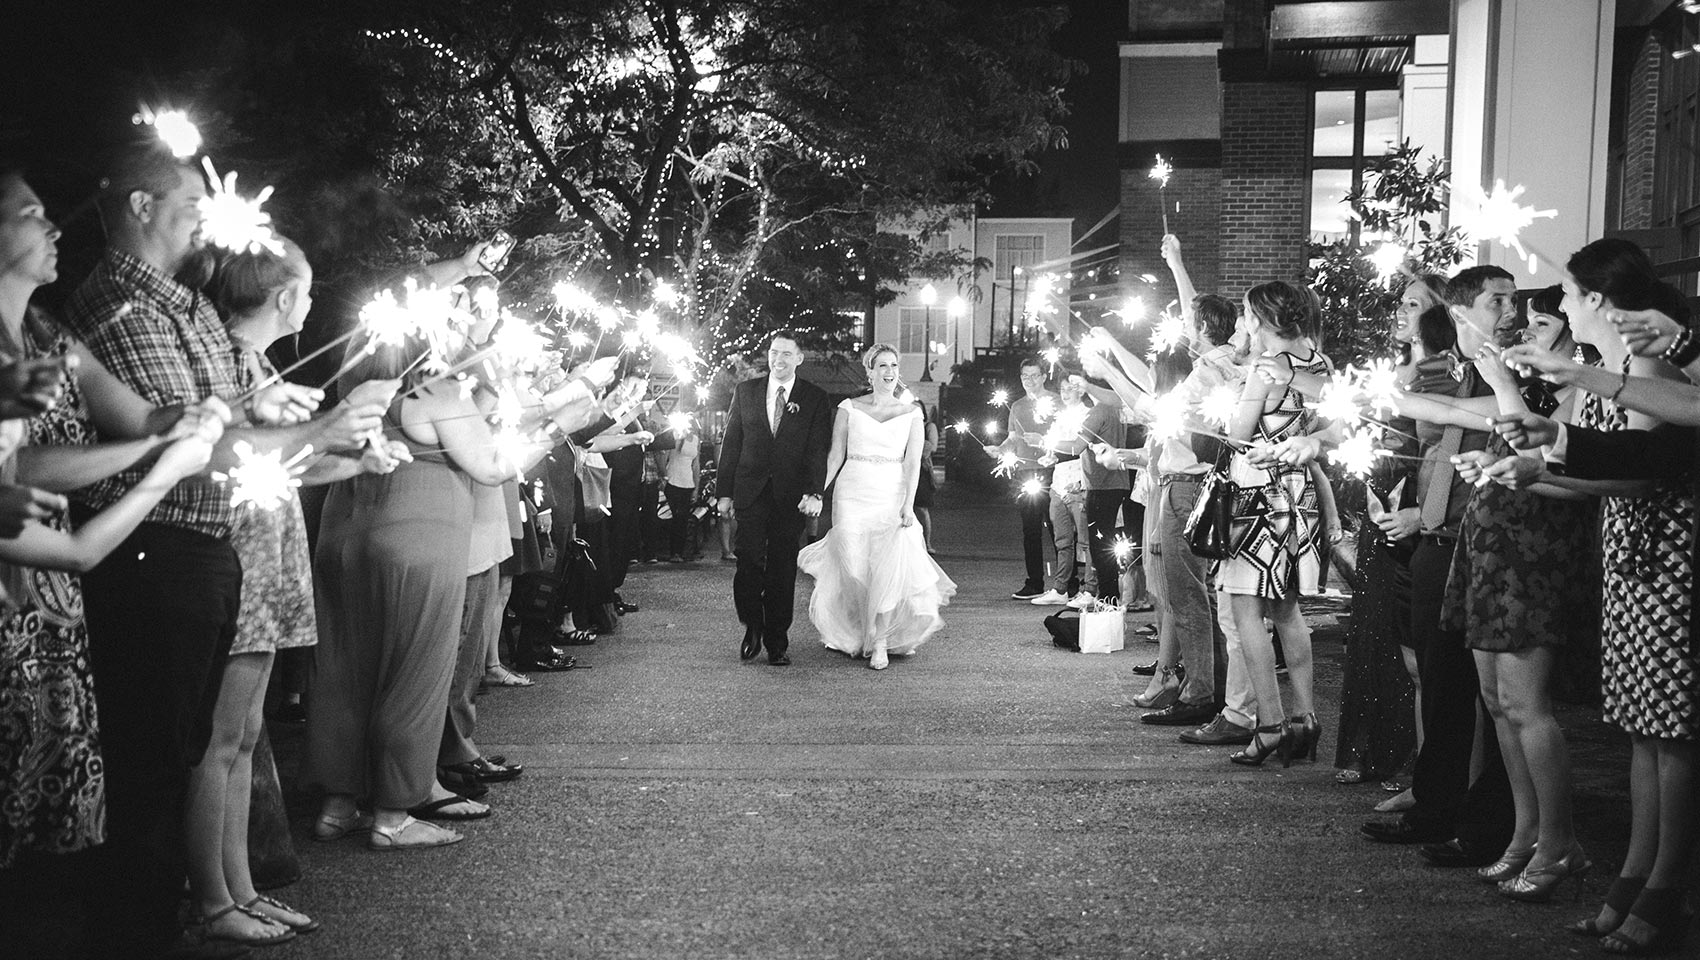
<point x="1650" y="660"/>
<point x="50" y="768"/>
<point x="1277" y="531"/>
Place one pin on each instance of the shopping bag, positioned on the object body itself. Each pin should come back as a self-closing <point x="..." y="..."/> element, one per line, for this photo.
<point x="1102" y="631"/>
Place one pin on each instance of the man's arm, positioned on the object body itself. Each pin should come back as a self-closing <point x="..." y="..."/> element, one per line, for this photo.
<point x="818" y="443"/>
<point x="731" y="445"/>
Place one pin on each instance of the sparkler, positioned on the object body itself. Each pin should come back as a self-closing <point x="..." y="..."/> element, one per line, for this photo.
<point x="1161" y="172"/>
<point x="1380" y="384"/>
<point x="574" y="299"/>
<point x="1007" y="462"/>
<point x="992" y="428"/>
<point x="174" y="129"/>
<point x="1123" y="549"/>
<point x="963" y="428"/>
<point x="1168" y="416"/>
<point x="1044" y="408"/>
<point x="1500" y="218"/>
<point x="265" y="480"/>
<point x="1169" y="333"/>
<point x="1388" y="260"/>
<point x="229" y="221"/>
<point x="518" y="344"/>
<point x="665" y="293"/>
<point x="1338" y="399"/>
<point x="1000" y="398"/>
<point x="1135" y="310"/>
<point x="1032" y="487"/>
<point x="1219" y="405"/>
<point x="1052" y="356"/>
<point x="1356" y="454"/>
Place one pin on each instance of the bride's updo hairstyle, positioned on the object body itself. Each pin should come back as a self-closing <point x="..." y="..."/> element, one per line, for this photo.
<point x="871" y="356"/>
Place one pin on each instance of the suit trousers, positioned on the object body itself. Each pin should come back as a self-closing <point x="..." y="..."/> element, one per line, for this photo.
<point x="1103" y="509"/>
<point x="1035" y="514"/>
<point x="1481" y="810"/>
<point x="161" y="612"/>
<point x="480" y="619"/>
<point x="765" y="587"/>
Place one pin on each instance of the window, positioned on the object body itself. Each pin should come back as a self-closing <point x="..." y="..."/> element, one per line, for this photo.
<point x="1013" y="250"/>
<point x="1347" y="126"/>
<point x="937" y="243"/>
<point x="912" y="329"/>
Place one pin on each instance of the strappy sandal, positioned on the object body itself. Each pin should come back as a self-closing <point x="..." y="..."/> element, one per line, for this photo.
<point x="203" y="928"/>
<point x="501" y="676"/>
<point x="258" y="905"/>
<point x="412" y="835"/>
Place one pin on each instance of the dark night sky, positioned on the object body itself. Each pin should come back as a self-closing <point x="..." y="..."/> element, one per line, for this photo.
<point x="1082" y="181"/>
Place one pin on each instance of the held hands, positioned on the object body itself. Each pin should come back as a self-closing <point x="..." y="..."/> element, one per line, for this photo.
<point x="1515" y="472"/>
<point x="382" y="456"/>
<point x="29" y="387"/>
<point x="1276" y="370"/>
<point x="283" y="404"/>
<point x="1648" y="333"/>
<point x="1527" y="431"/>
<point x="1528" y="358"/>
<point x="810" y="505"/>
<point x="23" y="505"/>
<point x="1294" y="451"/>
<point x="1399" y="524"/>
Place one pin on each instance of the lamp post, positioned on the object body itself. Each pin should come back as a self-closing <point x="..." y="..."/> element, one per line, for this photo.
<point x="958" y="309"/>
<point x="929" y="296"/>
<point x="1014" y="272"/>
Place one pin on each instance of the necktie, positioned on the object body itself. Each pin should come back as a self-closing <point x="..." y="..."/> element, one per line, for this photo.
<point x="778" y="408"/>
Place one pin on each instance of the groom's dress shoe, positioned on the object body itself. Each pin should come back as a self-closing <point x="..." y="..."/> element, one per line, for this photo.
<point x="751" y="645"/>
<point x="779" y="660"/>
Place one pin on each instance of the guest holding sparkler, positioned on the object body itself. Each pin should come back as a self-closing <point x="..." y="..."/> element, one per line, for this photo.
<point x="162" y="610"/>
<point x="390" y="576"/>
<point x="1019" y="455"/>
<point x="51" y="766"/>
<point x="1062" y="442"/>
<point x="1280" y="553"/>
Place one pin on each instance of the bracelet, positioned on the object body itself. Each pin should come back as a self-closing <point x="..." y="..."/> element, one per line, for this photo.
<point x="1684" y="350"/>
<point x="1624" y="382"/>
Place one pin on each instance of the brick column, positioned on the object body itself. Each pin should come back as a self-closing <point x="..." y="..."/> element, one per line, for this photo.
<point x="1640" y="135"/>
<point x="1265" y="155"/>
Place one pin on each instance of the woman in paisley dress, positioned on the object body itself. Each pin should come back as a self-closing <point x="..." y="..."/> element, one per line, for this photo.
<point x="1277" y="531"/>
<point x="877" y="590"/>
<point x="50" y="766"/>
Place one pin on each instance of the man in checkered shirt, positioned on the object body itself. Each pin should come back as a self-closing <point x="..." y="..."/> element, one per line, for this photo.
<point x="162" y="608"/>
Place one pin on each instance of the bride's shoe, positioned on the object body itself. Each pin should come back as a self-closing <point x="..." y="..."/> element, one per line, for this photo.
<point x="879" y="661"/>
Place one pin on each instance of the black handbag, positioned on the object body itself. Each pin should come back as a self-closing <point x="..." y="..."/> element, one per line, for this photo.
<point x="1208" y="526"/>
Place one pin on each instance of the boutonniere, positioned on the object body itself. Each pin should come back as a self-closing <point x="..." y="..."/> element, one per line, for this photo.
<point x="791" y="407"/>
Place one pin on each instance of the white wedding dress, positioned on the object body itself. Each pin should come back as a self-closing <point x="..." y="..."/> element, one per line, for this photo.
<point x="874" y="579"/>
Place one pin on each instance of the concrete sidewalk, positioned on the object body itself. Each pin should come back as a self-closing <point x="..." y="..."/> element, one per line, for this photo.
<point x="992" y="797"/>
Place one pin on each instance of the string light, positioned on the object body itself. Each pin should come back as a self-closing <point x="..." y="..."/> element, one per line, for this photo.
<point x="174" y="129"/>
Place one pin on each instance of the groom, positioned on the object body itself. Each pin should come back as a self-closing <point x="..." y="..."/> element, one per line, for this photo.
<point x="772" y="468"/>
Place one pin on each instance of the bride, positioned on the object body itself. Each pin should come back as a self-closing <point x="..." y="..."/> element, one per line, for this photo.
<point x="877" y="590"/>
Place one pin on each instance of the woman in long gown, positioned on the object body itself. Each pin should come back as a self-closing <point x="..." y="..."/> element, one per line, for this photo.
<point x="877" y="590"/>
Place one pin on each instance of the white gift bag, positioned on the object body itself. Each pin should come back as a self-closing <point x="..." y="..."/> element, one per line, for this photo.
<point x="1102" y="631"/>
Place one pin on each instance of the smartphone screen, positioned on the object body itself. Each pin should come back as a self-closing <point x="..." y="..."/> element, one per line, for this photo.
<point x="495" y="255"/>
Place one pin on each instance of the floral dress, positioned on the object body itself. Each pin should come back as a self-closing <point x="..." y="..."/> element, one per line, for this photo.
<point x="1649" y="659"/>
<point x="1276" y="533"/>
<point x="52" y="788"/>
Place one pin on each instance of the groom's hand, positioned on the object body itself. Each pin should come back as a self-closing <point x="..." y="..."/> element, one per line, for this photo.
<point x="810" y="505"/>
<point x="724" y="507"/>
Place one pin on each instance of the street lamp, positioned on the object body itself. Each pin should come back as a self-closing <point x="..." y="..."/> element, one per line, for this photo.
<point x="929" y="296"/>
<point x="958" y="309"/>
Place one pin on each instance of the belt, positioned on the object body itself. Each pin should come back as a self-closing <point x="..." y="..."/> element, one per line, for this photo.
<point x="1182" y="478"/>
<point x="1444" y="539"/>
<point x="868" y="458"/>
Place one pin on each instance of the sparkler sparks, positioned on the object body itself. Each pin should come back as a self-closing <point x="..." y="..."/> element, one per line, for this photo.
<point x="265" y="480"/>
<point x="1000" y="398"/>
<point x="1219" y="405"/>
<point x="1044" y="408"/>
<point x="1380" y="384"/>
<point x="1032" y="487"/>
<point x="572" y="298"/>
<point x="665" y="293"/>
<point x="1161" y="171"/>
<point x="1168" y="420"/>
<point x="1338" y="399"/>
<point x="1388" y="259"/>
<point x="1356" y="454"/>
<point x="992" y="428"/>
<point x="1135" y="310"/>
<point x="1500" y="218"/>
<point x="174" y="129"/>
<point x="1168" y="333"/>
<point x="1123" y="549"/>
<point x="234" y="223"/>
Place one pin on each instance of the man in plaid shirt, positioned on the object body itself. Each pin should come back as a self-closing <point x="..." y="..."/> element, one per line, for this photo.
<point x="162" y="608"/>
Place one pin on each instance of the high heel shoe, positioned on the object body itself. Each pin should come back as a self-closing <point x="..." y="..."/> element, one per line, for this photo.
<point x="1537" y="885"/>
<point x="1307" y="733"/>
<point x="1167" y="682"/>
<point x="1509" y="864"/>
<point x="1257" y="751"/>
<point x="1659" y="912"/>
<point x="1619" y="899"/>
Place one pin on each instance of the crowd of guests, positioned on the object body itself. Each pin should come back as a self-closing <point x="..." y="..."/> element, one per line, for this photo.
<point x="1536" y="498"/>
<point x="143" y="609"/>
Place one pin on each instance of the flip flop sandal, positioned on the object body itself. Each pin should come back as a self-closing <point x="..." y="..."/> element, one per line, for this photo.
<point x="439" y="810"/>
<point x="203" y="927"/>
<point x="503" y="677"/>
<point x="411" y="835"/>
<point x="250" y="908"/>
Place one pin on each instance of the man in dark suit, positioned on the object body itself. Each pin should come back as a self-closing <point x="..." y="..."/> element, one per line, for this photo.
<point x="772" y="470"/>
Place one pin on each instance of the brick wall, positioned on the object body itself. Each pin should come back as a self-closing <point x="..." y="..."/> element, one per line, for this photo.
<point x="1198" y="191"/>
<point x="1640" y="136"/>
<point x="1265" y="152"/>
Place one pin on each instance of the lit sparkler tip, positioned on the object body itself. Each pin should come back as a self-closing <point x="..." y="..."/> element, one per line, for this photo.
<point x="665" y="293"/>
<point x="1380" y="384"/>
<point x="1044" y="408"/>
<point x="1388" y="260"/>
<point x="961" y="426"/>
<point x="232" y="222"/>
<point x="1122" y="547"/>
<point x="1339" y="398"/>
<point x="1499" y="217"/>
<point x="679" y="422"/>
<point x="1161" y="171"/>
<point x="1356" y="454"/>
<point x="992" y="428"/>
<point x="1168" y="333"/>
<point x="265" y="480"/>
<point x="174" y="129"/>
<point x="1032" y="487"/>
<point x="1000" y="398"/>
<point x="1219" y="405"/>
<point x="1168" y="419"/>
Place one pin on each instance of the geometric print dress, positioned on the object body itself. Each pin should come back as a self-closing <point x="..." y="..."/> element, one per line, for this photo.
<point x="1276" y="533"/>
<point x="1649" y="661"/>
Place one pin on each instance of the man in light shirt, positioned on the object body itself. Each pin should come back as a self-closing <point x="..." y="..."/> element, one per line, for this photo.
<point x="1024" y="441"/>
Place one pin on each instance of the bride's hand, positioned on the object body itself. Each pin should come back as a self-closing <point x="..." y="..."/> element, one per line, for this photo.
<point x="906" y="517"/>
<point x="810" y="506"/>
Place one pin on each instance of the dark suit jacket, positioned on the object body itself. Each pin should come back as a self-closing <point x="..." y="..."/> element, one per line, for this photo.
<point x="793" y="461"/>
<point x="1664" y="453"/>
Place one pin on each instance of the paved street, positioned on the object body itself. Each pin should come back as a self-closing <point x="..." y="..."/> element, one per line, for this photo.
<point x="993" y="797"/>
